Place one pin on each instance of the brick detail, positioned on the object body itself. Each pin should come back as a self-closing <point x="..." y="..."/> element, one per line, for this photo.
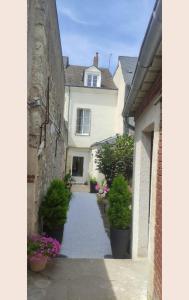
<point x="157" y="294"/>
<point x="154" y="90"/>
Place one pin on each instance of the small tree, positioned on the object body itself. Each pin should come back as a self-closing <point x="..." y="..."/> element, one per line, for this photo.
<point x="119" y="198"/>
<point x="115" y="159"/>
<point x="55" y="205"/>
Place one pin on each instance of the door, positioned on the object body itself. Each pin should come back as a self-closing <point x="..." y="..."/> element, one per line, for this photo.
<point x="77" y="168"/>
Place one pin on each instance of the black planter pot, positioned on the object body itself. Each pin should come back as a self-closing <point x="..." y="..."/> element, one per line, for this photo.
<point x="55" y="233"/>
<point x="92" y="187"/>
<point x="120" y="239"/>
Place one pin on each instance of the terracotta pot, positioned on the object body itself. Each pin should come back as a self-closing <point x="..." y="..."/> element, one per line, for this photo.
<point x="37" y="266"/>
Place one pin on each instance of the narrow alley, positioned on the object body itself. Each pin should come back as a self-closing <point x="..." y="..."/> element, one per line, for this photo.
<point x="85" y="274"/>
<point x="84" y="233"/>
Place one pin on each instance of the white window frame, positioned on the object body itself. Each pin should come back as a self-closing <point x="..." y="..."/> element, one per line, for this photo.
<point x="92" y="79"/>
<point x="83" y="133"/>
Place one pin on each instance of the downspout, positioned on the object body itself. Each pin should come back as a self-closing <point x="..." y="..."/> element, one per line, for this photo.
<point x="68" y="128"/>
<point x="44" y="124"/>
<point x="126" y="118"/>
<point x="129" y="126"/>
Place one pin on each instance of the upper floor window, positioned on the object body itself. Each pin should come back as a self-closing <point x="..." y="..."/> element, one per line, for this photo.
<point x="83" y="121"/>
<point x="92" y="80"/>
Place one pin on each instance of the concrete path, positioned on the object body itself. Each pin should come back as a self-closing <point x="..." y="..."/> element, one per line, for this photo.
<point x="80" y="188"/>
<point x="90" y="279"/>
<point x="84" y="233"/>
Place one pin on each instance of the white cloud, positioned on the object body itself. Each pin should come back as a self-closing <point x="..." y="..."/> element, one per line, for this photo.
<point x="72" y="16"/>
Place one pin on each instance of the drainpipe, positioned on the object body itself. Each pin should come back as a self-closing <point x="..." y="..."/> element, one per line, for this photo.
<point x="128" y="124"/>
<point x="68" y="127"/>
<point x="44" y="124"/>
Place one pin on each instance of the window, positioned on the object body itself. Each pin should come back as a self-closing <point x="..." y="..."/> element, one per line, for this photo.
<point x="83" y="121"/>
<point x="77" y="166"/>
<point x="89" y="80"/>
<point x="92" y="80"/>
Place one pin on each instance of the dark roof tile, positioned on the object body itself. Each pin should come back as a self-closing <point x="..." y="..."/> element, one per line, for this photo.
<point x="128" y="65"/>
<point x="74" y="76"/>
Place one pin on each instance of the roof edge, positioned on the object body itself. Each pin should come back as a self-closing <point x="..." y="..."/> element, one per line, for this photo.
<point x="151" y="41"/>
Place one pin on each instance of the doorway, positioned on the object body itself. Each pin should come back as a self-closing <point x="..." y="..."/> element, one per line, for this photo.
<point x="146" y="167"/>
<point x="77" y="166"/>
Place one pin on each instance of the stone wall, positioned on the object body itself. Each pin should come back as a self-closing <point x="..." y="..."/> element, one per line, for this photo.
<point x="47" y="133"/>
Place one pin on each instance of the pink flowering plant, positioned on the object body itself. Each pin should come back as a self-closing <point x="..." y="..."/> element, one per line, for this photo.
<point x="102" y="189"/>
<point x="40" y="246"/>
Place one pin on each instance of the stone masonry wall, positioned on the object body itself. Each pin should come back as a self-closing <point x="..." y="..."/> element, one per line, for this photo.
<point x="47" y="135"/>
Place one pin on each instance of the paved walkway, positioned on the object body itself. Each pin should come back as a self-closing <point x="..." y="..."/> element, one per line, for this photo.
<point x="90" y="279"/>
<point x="84" y="233"/>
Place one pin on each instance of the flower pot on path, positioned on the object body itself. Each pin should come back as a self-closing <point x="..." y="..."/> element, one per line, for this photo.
<point x="120" y="239"/>
<point x="92" y="187"/>
<point x="38" y="265"/>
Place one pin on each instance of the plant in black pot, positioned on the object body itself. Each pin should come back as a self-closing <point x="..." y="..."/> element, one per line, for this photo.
<point x="53" y="209"/>
<point x="68" y="180"/>
<point x="93" y="183"/>
<point x="119" y="214"/>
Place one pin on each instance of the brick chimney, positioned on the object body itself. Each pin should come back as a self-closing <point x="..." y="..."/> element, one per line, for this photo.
<point x="95" y="60"/>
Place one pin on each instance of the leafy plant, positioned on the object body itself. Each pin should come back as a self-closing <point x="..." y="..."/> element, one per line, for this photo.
<point x="68" y="180"/>
<point x="40" y="246"/>
<point x="54" y="208"/>
<point x="117" y="158"/>
<point x="119" y="197"/>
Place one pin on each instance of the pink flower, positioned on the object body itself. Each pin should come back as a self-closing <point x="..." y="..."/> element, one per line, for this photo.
<point x="97" y="187"/>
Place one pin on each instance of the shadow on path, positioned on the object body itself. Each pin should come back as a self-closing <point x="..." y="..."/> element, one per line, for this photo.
<point x="89" y="279"/>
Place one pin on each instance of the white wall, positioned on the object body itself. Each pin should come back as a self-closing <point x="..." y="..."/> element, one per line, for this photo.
<point x="86" y="154"/>
<point x="102" y="104"/>
<point x="93" y="166"/>
<point x="120" y="83"/>
<point x="149" y="119"/>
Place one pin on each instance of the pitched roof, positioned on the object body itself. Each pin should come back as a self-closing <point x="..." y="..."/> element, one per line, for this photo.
<point x="128" y="65"/>
<point x="74" y="76"/>
<point x="110" y="140"/>
<point x="66" y="60"/>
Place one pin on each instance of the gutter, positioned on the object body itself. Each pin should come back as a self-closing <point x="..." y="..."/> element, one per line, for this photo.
<point x="148" y="49"/>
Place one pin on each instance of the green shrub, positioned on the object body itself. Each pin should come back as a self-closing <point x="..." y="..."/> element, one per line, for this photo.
<point x="117" y="158"/>
<point x="68" y="180"/>
<point x="119" y="197"/>
<point x="93" y="180"/>
<point x="54" y="208"/>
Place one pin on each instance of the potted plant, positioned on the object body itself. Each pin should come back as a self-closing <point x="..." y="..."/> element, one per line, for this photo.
<point x="53" y="210"/>
<point x="93" y="183"/>
<point x="39" y="250"/>
<point x="119" y="214"/>
<point x="102" y="191"/>
<point x="68" y="180"/>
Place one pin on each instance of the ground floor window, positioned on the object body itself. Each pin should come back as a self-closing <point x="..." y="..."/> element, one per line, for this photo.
<point x="77" y="166"/>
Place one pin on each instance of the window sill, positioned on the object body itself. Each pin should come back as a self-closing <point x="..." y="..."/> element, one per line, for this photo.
<point x="82" y="134"/>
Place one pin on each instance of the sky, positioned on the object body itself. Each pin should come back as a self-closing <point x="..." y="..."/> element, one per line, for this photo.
<point x="110" y="27"/>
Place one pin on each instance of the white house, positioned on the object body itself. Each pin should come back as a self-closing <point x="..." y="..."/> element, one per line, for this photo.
<point x="123" y="77"/>
<point x="90" y="111"/>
